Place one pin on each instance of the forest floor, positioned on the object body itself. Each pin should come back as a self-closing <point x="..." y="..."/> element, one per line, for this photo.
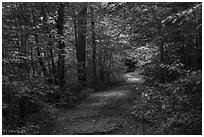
<point x="106" y="112"/>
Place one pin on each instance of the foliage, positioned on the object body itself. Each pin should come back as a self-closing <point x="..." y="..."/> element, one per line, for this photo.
<point x="176" y="105"/>
<point x="55" y="54"/>
<point x="26" y="130"/>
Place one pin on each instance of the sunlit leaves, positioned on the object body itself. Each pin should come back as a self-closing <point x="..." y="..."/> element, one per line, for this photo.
<point x="183" y="15"/>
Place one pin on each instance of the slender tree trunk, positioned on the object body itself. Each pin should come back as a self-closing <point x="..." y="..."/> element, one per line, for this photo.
<point x="44" y="70"/>
<point x="49" y="67"/>
<point x="196" y="50"/>
<point x="24" y="65"/>
<point x="22" y="105"/>
<point x="52" y="61"/>
<point x="163" y="72"/>
<point x="200" y="49"/>
<point x="32" y="60"/>
<point x="160" y="43"/>
<point x="94" y="80"/>
<point x="101" y="71"/>
<point x="81" y="46"/>
<point x="109" y="68"/>
<point x="161" y="49"/>
<point x="75" y="29"/>
<point x="100" y="58"/>
<point x="40" y="61"/>
<point x="160" y="31"/>
<point x="61" y="55"/>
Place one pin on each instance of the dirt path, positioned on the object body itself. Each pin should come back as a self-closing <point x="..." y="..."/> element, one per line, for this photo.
<point x="107" y="112"/>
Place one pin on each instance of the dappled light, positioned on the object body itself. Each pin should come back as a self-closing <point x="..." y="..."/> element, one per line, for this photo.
<point x="101" y="68"/>
<point x="130" y="78"/>
<point x="112" y="93"/>
<point x="134" y="77"/>
<point x="105" y="97"/>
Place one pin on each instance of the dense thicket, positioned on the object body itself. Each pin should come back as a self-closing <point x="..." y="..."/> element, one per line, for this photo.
<point x="56" y="53"/>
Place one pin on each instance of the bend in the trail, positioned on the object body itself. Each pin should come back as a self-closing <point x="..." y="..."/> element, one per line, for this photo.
<point x="104" y="112"/>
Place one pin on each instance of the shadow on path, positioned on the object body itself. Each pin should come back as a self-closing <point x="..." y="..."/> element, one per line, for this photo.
<point x="104" y="112"/>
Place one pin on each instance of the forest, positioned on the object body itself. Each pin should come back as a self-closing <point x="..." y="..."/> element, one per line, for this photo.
<point x="102" y="68"/>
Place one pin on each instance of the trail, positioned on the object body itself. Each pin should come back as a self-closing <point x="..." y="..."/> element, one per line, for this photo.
<point x="106" y="112"/>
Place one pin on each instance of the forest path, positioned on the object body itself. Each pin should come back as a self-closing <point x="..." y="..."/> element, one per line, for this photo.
<point x="106" y="112"/>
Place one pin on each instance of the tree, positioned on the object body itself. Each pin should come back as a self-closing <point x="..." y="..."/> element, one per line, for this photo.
<point x="94" y="78"/>
<point x="52" y="51"/>
<point x="81" y="43"/>
<point x="61" y="55"/>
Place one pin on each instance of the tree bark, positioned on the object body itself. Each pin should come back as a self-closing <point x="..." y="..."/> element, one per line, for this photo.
<point x="61" y="55"/>
<point x="94" y="80"/>
<point x="81" y="46"/>
<point x="161" y="49"/>
<point x="44" y="70"/>
<point x="22" y="106"/>
<point x="52" y="61"/>
<point x="161" y="40"/>
<point x="101" y="64"/>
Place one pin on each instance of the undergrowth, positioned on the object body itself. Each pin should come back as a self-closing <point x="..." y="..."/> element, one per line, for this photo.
<point x="173" y="107"/>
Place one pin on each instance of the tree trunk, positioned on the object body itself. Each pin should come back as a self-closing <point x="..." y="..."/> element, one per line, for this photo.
<point x="32" y="60"/>
<point x="101" y="71"/>
<point x="94" y="80"/>
<point x="81" y="46"/>
<point x="160" y="43"/>
<point x="163" y="72"/>
<point x="25" y="66"/>
<point x="196" y="51"/>
<point x="61" y="55"/>
<point x="22" y="104"/>
<point x="161" y="49"/>
<point x="52" y="61"/>
<point x="75" y="30"/>
<point x="44" y="70"/>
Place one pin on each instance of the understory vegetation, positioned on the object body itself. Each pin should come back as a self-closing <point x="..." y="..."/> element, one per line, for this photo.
<point x="56" y="54"/>
<point x="174" y="107"/>
<point x="173" y="89"/>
